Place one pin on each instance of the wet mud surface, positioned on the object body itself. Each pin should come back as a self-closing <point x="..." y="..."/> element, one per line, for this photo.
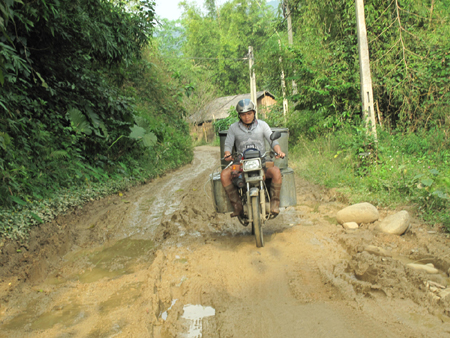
<point x="158" y="261"/>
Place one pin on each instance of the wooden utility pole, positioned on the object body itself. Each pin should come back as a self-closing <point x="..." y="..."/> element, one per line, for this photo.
<point x="252" y="80"/>
<point x="364" y="65"/>
<point x="291" y="42"/>
<point x="283" y="86"/>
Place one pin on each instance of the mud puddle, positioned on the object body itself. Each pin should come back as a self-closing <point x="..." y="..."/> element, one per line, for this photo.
<point x="158" y="261"/>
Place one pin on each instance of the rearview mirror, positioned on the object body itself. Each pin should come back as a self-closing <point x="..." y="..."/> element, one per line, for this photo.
<point x="275" y="135"/>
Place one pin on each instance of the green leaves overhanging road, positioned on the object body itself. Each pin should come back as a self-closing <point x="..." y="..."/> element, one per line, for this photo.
<point x="83" y="99"/>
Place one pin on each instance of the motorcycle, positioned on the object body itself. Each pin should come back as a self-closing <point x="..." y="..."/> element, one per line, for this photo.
<point x="248" y="176"/>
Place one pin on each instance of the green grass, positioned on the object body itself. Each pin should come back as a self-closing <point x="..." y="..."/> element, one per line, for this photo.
<point x="399" y="170"/>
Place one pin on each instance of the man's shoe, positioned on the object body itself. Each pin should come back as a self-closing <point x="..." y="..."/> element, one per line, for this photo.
<point x="275" y="190"/>
<point x="235" y="200"/>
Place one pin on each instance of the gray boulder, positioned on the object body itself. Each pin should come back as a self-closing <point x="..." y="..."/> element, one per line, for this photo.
<point x="395" y="224"/>
<point x="358" y="213"/>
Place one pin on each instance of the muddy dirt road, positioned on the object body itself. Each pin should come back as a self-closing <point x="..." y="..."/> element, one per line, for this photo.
<point x="158" y="261"/>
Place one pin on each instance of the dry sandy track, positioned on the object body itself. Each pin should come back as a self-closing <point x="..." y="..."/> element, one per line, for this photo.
<point x="160" y="262"/>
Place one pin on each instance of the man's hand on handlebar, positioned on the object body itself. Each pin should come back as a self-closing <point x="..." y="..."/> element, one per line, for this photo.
<point x="280" y="155"/>
<point x="227" y="156"/>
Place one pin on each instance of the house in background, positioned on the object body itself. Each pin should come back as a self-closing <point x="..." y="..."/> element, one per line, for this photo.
<point x="220" y="108"/>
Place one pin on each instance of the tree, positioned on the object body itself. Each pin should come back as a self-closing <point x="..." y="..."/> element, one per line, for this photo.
<point x="224" y="40"/>
<point x="70" y="72"/>
<point x="170" y="37"/>
<point x="408" y="45"/>
<point x="210" y="6"/>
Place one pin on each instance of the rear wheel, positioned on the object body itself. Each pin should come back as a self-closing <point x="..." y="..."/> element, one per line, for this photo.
<point x="257" y="224"/>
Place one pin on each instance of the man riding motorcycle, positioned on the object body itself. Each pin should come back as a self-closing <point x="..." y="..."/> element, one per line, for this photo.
<point x="250" y="132"/>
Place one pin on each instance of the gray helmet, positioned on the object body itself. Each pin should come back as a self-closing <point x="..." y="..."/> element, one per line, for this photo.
<point x="244" y="106"/>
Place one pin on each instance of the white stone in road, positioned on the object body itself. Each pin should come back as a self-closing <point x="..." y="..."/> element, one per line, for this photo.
<point x="395" y="224"/>
<point x="422" y="267"/>
<point x="440" y="286"/>
<point x="358" y="213"/>
<point x="350" y="225"/>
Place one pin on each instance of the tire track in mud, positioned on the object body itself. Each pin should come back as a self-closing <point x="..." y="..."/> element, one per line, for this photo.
<point x="252" y="292"/>
<point x="156" y="203"/>
<point x="138" y="270"/>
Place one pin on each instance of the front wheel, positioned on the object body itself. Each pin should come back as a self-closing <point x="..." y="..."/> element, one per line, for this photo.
<point x="257" y="224"/>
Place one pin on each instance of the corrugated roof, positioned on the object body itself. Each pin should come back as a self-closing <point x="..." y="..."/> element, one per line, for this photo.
<point x="220" y="107"/>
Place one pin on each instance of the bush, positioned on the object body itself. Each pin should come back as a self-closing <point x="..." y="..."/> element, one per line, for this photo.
<point x="397" y="170"/>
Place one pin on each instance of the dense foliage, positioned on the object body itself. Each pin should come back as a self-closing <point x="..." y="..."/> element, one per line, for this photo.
<point x="193" y="78"/>
<point x="411" y="170"/>
<point x="83" y="99"/>
<point x="222" y="37"/>
<point x="410" y="63"/>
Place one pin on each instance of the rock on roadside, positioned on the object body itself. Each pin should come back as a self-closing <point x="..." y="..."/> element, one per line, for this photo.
<point x="428" y="268"/>
<point x="395" y="224"/>
<point x="358" y="213"/>
<point x="350" y="225"/>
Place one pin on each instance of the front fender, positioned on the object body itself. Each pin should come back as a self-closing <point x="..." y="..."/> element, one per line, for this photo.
<point x="254" y="191"/>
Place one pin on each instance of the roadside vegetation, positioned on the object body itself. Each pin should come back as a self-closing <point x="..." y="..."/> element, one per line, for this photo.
<point x="96" y="96"/>
<point x="87" y="107"/>
<point x="409" y="43"/>
<point x="400" y="171"/>
<point x="408" y="164"/>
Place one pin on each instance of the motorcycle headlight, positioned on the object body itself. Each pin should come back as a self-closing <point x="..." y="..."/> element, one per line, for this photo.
<point x="253" y="164"/>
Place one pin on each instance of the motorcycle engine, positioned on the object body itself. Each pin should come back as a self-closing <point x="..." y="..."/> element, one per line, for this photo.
<point x="238" y="181"/>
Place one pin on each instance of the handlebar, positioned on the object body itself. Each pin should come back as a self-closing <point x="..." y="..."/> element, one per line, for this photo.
<point x="226" y="157"/>
<point x="239" y="154"/>
<point x="272" y="153"/>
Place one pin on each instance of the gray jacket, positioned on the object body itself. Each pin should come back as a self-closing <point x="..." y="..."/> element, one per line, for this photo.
<point x="253" y="137"/>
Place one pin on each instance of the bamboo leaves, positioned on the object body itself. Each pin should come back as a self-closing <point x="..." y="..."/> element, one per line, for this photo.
<point x="5" y="140"/>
